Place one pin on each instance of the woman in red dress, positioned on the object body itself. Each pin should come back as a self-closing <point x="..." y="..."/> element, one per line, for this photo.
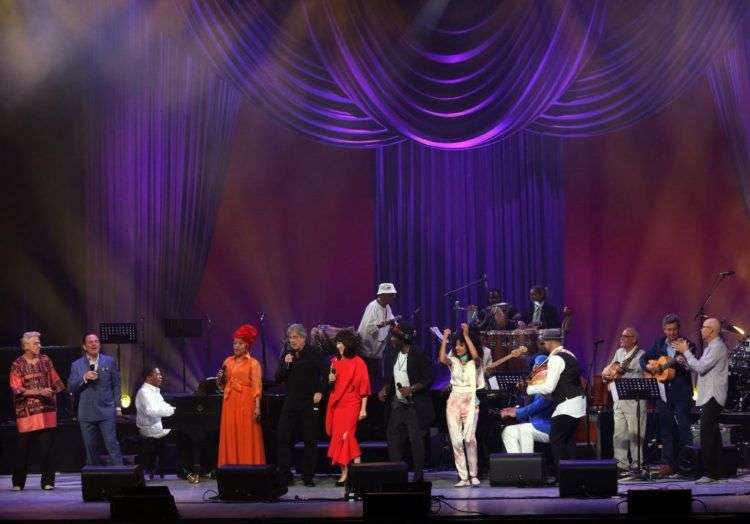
<point x="241" y="436"/>
<point x="347" y="403"/>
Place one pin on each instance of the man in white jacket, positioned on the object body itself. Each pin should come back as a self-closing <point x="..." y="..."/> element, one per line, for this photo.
<point x="151" y="407"/>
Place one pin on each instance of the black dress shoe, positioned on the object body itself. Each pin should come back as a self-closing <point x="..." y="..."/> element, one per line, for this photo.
<point x="308" y="483"/>
<point x="341" y="483"/>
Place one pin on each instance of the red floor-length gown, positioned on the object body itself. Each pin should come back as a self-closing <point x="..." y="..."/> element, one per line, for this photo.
<point x="344" y="404"/>
<point x="241" y="436"/>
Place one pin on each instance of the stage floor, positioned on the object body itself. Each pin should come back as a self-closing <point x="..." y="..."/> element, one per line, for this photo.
<point x="325" y="501"/>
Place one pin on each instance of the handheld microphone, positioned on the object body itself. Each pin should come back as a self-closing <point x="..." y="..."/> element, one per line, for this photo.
<point x="726" y="273"/>
<point x="407" y="399"/>
<point x="92" y="367"/>
<point x="289" y="364"/>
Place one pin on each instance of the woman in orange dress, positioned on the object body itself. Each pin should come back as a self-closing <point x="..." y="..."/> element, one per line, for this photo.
<point x="241" y="437"/>
<point x="347" y="403"/>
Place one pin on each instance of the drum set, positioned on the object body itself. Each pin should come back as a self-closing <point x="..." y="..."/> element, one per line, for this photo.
<point x="739" y="377"/>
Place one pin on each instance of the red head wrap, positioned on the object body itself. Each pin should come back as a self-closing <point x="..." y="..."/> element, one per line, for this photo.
<point x="247" y="333"/>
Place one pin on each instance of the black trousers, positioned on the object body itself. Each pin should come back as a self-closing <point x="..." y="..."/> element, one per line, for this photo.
<point x="484" y="430"/>
<point x="711" y="444"/>
<point x="151" y="452"/>
<point x="402" y="424"/>
<point x="562" y="439"/>
<point x="289" y="420"/>
<point x="42" y="440"/>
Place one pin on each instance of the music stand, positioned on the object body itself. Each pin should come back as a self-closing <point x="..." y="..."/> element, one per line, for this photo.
<point x="118" y="333"/>
<point x="638" y="389"/>
<point x="183" y="328"/>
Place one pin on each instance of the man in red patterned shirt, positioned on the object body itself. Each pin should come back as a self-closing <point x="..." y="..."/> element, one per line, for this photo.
<point x="35" y="383"/>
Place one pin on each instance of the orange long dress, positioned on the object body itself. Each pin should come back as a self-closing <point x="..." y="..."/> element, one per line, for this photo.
<point x="344" y="404"/>
<point x="241" y="436"/>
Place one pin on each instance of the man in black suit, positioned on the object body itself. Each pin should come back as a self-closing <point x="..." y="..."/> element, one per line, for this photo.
<point x="679" y="391"/>
<point x="540" y="313"/>
<point x="406" y="393"/>
<point x="304" y="370"/>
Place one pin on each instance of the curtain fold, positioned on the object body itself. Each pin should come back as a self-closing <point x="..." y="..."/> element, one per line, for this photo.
<point x="729" y="77"/>
<point x="158" y="149"/>
<point x="445" y="218"/>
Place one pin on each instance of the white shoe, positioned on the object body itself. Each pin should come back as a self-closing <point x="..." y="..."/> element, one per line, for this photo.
<point x="705" y="480"/>
<point x="16" y="488"/>
<point x="475" y="481"/>
<point x="48" y="487"/>
<point x="462" y="484"/>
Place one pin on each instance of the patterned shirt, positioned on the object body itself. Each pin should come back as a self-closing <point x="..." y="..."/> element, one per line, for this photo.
<point x="36" y="412"/>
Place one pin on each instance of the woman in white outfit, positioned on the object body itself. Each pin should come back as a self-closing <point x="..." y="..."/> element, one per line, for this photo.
<point x="462" y="408"/>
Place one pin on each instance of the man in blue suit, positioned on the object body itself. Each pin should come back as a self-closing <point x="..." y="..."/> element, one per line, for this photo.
<point x="96" y="380"/>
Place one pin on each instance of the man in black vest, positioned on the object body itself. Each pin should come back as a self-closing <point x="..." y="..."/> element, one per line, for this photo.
<point x="563" y="384"/>
<point x="406" y="393"/>
<point x="304" y="369"/>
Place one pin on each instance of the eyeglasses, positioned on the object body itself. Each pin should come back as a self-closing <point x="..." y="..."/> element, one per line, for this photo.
<point x="627" y="336"/>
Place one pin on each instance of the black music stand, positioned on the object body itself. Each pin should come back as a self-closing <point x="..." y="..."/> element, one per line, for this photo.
<point x="183" y="328"/>
<point x="506" y="383"/>
<point x="638" y="389"/>
<point x="118" y="333"/>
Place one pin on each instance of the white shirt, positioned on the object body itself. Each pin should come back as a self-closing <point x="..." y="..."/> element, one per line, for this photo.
<point x="486" y="361"/>
<point x="372" y="336"/>
<point x="634" y="368"/>
<point x="400" y="376"/>
<point x="463" y="376"/>
<point x="151" y="407"/>
<point x="573" y="407"/>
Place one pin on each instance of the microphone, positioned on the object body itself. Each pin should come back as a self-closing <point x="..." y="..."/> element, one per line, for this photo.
<point x="407" y="399"/>
<point x="289" y="364"/>
<point x="597" y="342"/>
<point x="726" y="273"/>
<point x="92" y="367"/>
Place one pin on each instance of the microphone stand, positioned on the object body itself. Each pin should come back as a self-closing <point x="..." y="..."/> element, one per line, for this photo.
<point x="589" y="388"/>
<point x="261" y="325"/>
<point x="456" y="304"/>
<point x="718" y="279"/>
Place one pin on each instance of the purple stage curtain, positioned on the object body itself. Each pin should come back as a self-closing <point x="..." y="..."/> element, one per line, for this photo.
<point x="443" y="218"/>
<point x="158" y="147"/>
<point x="263" y="48"/>
<point x="649" y="54"/>
<point x="729" y="77"/>
<point x="455" y="75"/>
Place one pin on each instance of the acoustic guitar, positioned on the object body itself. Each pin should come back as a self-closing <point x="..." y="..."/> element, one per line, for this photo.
<point x="665" y="370"/>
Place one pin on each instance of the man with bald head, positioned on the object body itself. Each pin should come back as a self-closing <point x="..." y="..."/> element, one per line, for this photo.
<point x="713" y="381"/>
<point x="626" y="364"/>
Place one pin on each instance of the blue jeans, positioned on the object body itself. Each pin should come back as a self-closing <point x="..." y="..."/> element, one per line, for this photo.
<point x="108" y="429"/>
<point x="674" y="412"/>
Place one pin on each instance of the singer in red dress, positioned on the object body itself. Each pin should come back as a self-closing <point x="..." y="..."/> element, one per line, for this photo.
<point x="241" y="436"/>
<point x="347" y="403"/>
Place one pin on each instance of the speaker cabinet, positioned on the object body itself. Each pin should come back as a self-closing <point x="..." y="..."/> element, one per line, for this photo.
<point x="101" y="482"/>
<point x="410" y="500"/>
<point x="370" y="477"/>
<point x="516" y="469"/>
<point x="249" y="483"/>
<point x="654" y="502"/>
<point x="588" y="478"/>
<point x="150" y="503"/>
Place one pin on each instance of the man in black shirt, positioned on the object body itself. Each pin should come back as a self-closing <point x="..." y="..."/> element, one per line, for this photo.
<point x="304" y="369"/>
<point x="540" y="313"/>
<point x="406" y="393"/>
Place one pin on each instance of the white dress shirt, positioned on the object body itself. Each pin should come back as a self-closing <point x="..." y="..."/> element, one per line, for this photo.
<point x="573" y="407"/>
<point x="151" y="407"/>
<point x="400" y="375"/>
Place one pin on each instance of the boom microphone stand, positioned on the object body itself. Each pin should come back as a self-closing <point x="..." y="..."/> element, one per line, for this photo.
<point x="455" y="303"/>
<point x="701" y="314"/>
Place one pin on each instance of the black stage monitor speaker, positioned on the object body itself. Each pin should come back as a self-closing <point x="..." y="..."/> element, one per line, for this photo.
<point x="690" y="461"/>
<point x="588" y="478"/>
<point x="660" y="502"/>
<point x="401" y="499"/>
<point x="101" y="482"/>
<point x="150" y="503"/>
<point x="370" y="477"/>
<point x="249" y="483"/>
<point x="516" y="469"/>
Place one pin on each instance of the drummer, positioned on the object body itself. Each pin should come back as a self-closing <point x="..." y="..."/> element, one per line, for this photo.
<point x="497" y="315"/>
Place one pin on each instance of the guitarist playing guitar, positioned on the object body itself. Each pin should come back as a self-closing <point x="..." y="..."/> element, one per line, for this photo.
<point x="679" y="391"/>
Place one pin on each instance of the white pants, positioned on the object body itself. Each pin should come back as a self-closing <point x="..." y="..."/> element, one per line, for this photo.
<point x="520" y="438"/>
<point x="626" y="432"/>
<point x="461" y="415"/>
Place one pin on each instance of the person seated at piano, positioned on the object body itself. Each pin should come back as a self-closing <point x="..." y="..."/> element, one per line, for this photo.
<point x="497" y="315"/>
<point x="534" y="421"/>
<point x="679" y="392"/>
<point x="626" y="364"/>
<point x="347" y="402"/>
<point x="304" y="370"/>
<point x="150" y="408"/>
<point x="540" y="314"/>
<point x="240" y="379"/>
<point x="462" y="409"/>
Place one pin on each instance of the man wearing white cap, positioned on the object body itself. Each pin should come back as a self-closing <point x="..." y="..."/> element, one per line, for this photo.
<point x="375" y="326"/>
